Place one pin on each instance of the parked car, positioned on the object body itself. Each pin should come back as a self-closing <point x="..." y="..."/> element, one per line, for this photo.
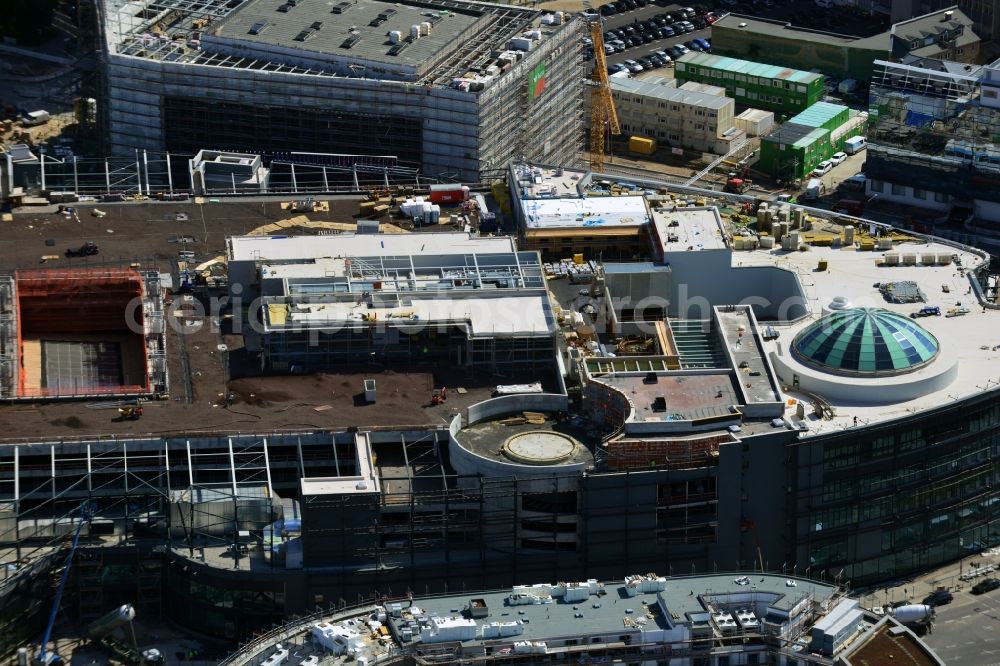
<point x="838" y="158"/>
<point x="665" y="57"/>
<point x="927" y="311"/>
<point x="822" y="168"/>
<point x="700" y="10"/>
<point x="699" y="22"/>
<point x="633" y="66"/>
<point x="633" y="41"/>
<point x="667" y="32"/>
<point x="987" y="585"/>
<point x="614" y="69"/>
<point x="711" y="19"/>
<point x="939" y="598"/>
<point x="855" y="182"/>
<point x="693" y="45"/>
<point x="703" y="43"/>
<point x="618" y="45"/>
<point x="608" y="9"/>
<point x="677" y="50"/>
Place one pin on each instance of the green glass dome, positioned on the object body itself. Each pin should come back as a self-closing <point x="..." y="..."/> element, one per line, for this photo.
<point x="865" y="341"/>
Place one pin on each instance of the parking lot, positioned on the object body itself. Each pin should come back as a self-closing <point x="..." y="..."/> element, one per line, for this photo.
<point x="644" y="14"/>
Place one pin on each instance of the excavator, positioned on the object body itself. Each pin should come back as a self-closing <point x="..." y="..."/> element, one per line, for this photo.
<point x="439" y="396"/>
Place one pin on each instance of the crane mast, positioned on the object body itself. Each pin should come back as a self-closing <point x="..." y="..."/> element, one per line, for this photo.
<point x="602" y="106"/>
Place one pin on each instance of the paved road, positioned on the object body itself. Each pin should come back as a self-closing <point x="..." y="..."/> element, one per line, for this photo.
<point x="967" y="631"/>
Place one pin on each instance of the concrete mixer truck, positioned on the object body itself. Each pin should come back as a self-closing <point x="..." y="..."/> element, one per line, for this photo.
<point x="914" y="615"/>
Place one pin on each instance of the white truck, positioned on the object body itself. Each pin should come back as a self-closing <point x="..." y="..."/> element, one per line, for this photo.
<point x="33" y="118"/>
<point x="814" y="189"/>
<point x="855" y="145"/>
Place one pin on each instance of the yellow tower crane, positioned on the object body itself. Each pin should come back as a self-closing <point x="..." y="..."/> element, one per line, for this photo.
<point x="602" y="106"/>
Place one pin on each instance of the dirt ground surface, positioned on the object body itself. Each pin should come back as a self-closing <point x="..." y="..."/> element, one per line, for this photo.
<point x="257" y="404"/>
<point x="149" y="233"/>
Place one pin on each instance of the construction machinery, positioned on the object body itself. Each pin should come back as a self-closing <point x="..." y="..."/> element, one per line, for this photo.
<point x="45" y="657"/>
<point x="439" y="396"/>
<point x="377" y="194"/>
<point x="129" y="412"/>
<point x="88" y="249"/>
<point x="603" y="116"/>
<point x="101" y="630"/>
<point x="737" y="185"/>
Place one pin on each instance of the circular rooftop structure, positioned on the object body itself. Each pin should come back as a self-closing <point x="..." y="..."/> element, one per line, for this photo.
<point x="539" y="447"/>
<point x="867" y="342"/>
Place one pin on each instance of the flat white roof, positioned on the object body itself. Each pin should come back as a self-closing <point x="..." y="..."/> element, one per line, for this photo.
<point x="689" y="229"/>
<point x="290" y="248"/>
<point x="539" y="181"/>
<point x="972" y="340"/>
<point x="366" y="481"/>
<point x="585" y="212"/>
<point x="488" y="313"/>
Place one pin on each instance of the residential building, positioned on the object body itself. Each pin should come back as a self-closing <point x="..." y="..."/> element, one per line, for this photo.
<point x="752" y="83"/>
<point x="946" y="34"/>
<point x="677" y="117"/>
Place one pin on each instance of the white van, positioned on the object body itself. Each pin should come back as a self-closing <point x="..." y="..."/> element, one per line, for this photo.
<point x="814" y="190"/>
<point x="855" y="145"/>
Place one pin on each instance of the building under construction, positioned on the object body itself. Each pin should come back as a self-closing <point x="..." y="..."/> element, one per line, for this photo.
<point x="454" y="88"/>
<point x="448" y="298"/>
<point x="79" y="333"/>
<point x="933" y="142"/>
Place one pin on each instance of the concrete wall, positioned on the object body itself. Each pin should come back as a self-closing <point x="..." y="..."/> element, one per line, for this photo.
<point x="937" y="376"/>
<point x="513" y="404"/>
<point x="470" y="463"/>
<point x="773" y="293"/>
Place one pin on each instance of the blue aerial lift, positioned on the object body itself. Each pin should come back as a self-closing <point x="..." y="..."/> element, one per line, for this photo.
<point x="45" y="657"/>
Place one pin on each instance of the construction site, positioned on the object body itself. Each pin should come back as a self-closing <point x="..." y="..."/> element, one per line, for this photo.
<point x="86" y="333"/>
<point x="226" y="412"/>
<point x="459" y="88"/>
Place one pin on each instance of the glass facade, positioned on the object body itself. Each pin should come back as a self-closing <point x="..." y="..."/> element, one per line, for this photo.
<point x="902" y="498"/>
